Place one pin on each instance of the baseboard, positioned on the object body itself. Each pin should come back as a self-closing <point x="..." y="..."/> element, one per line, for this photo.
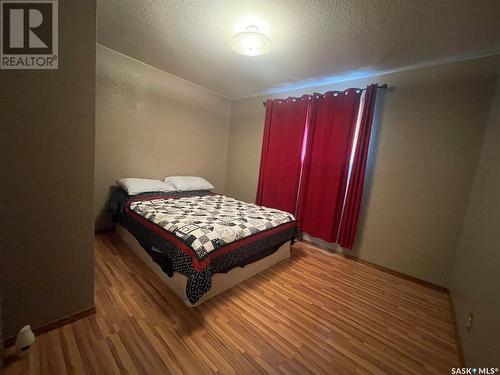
<point x="54" y="325"/>
<point x="414" y="279"/>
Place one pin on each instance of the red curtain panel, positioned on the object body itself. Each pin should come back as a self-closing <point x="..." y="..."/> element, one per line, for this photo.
<point x="352" y="203"/>
<point x="264" y="152"/>
<point x="326" y="164"/>
<point x="281" y="164"/>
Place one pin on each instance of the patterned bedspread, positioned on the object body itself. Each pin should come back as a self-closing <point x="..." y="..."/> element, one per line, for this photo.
<point x="208" y="222"/>
<point x="200" y="233"/>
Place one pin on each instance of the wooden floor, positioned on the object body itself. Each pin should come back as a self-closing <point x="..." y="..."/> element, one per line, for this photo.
<point x="314" y="313"/>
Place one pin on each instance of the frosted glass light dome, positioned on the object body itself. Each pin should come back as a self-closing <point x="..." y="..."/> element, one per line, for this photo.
<point x="251" y="42"/>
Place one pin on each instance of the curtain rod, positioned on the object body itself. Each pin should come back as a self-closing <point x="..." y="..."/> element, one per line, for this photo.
<point x="383" y="87"/>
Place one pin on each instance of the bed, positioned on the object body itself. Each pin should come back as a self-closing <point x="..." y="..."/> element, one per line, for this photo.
<point x="201" y="243"/>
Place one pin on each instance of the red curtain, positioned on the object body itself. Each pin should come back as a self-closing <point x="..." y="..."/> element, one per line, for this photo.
<point x="352" y="203"/>
<point x="281" y="162"/>
<point x="326" y="165"/>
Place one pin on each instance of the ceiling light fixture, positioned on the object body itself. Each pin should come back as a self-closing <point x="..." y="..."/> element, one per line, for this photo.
<point x="251" y="42"/>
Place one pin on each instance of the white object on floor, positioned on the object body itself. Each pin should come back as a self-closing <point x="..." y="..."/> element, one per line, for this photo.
<point x="25" y="339"/>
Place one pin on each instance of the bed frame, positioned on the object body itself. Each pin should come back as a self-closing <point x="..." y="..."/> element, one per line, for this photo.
<point x="220" y="281"/>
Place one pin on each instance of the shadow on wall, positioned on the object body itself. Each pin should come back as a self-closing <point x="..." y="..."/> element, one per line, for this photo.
<point x="103" y="221"/>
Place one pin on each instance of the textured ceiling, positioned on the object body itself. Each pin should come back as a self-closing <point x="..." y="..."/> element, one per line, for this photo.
<point x="312" y="40"/>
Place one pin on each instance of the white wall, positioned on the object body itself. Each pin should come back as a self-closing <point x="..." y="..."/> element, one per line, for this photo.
<point x="151" y="124"/>
<point x="475" y="284"/>
<point x="425" y="146"/>
<point x="47" y="184"/>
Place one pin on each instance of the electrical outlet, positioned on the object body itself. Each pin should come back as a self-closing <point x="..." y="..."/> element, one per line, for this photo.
<point x="468" y="323"/>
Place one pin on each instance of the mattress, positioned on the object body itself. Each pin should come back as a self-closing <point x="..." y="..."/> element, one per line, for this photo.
<point x="200" y="234"/>
<point x="220" y="281"/>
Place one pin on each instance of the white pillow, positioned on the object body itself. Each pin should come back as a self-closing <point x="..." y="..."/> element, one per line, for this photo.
<point x="189" y="183"/>
<point x="135" y="186"/>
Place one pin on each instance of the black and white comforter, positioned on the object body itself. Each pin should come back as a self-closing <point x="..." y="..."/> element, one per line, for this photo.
<point x="208" y="222"/>
<point x="200" y="233"/>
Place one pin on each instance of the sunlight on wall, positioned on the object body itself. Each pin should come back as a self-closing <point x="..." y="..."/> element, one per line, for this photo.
<point x="361" y="74"/>
<point x="323" y="81"/>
